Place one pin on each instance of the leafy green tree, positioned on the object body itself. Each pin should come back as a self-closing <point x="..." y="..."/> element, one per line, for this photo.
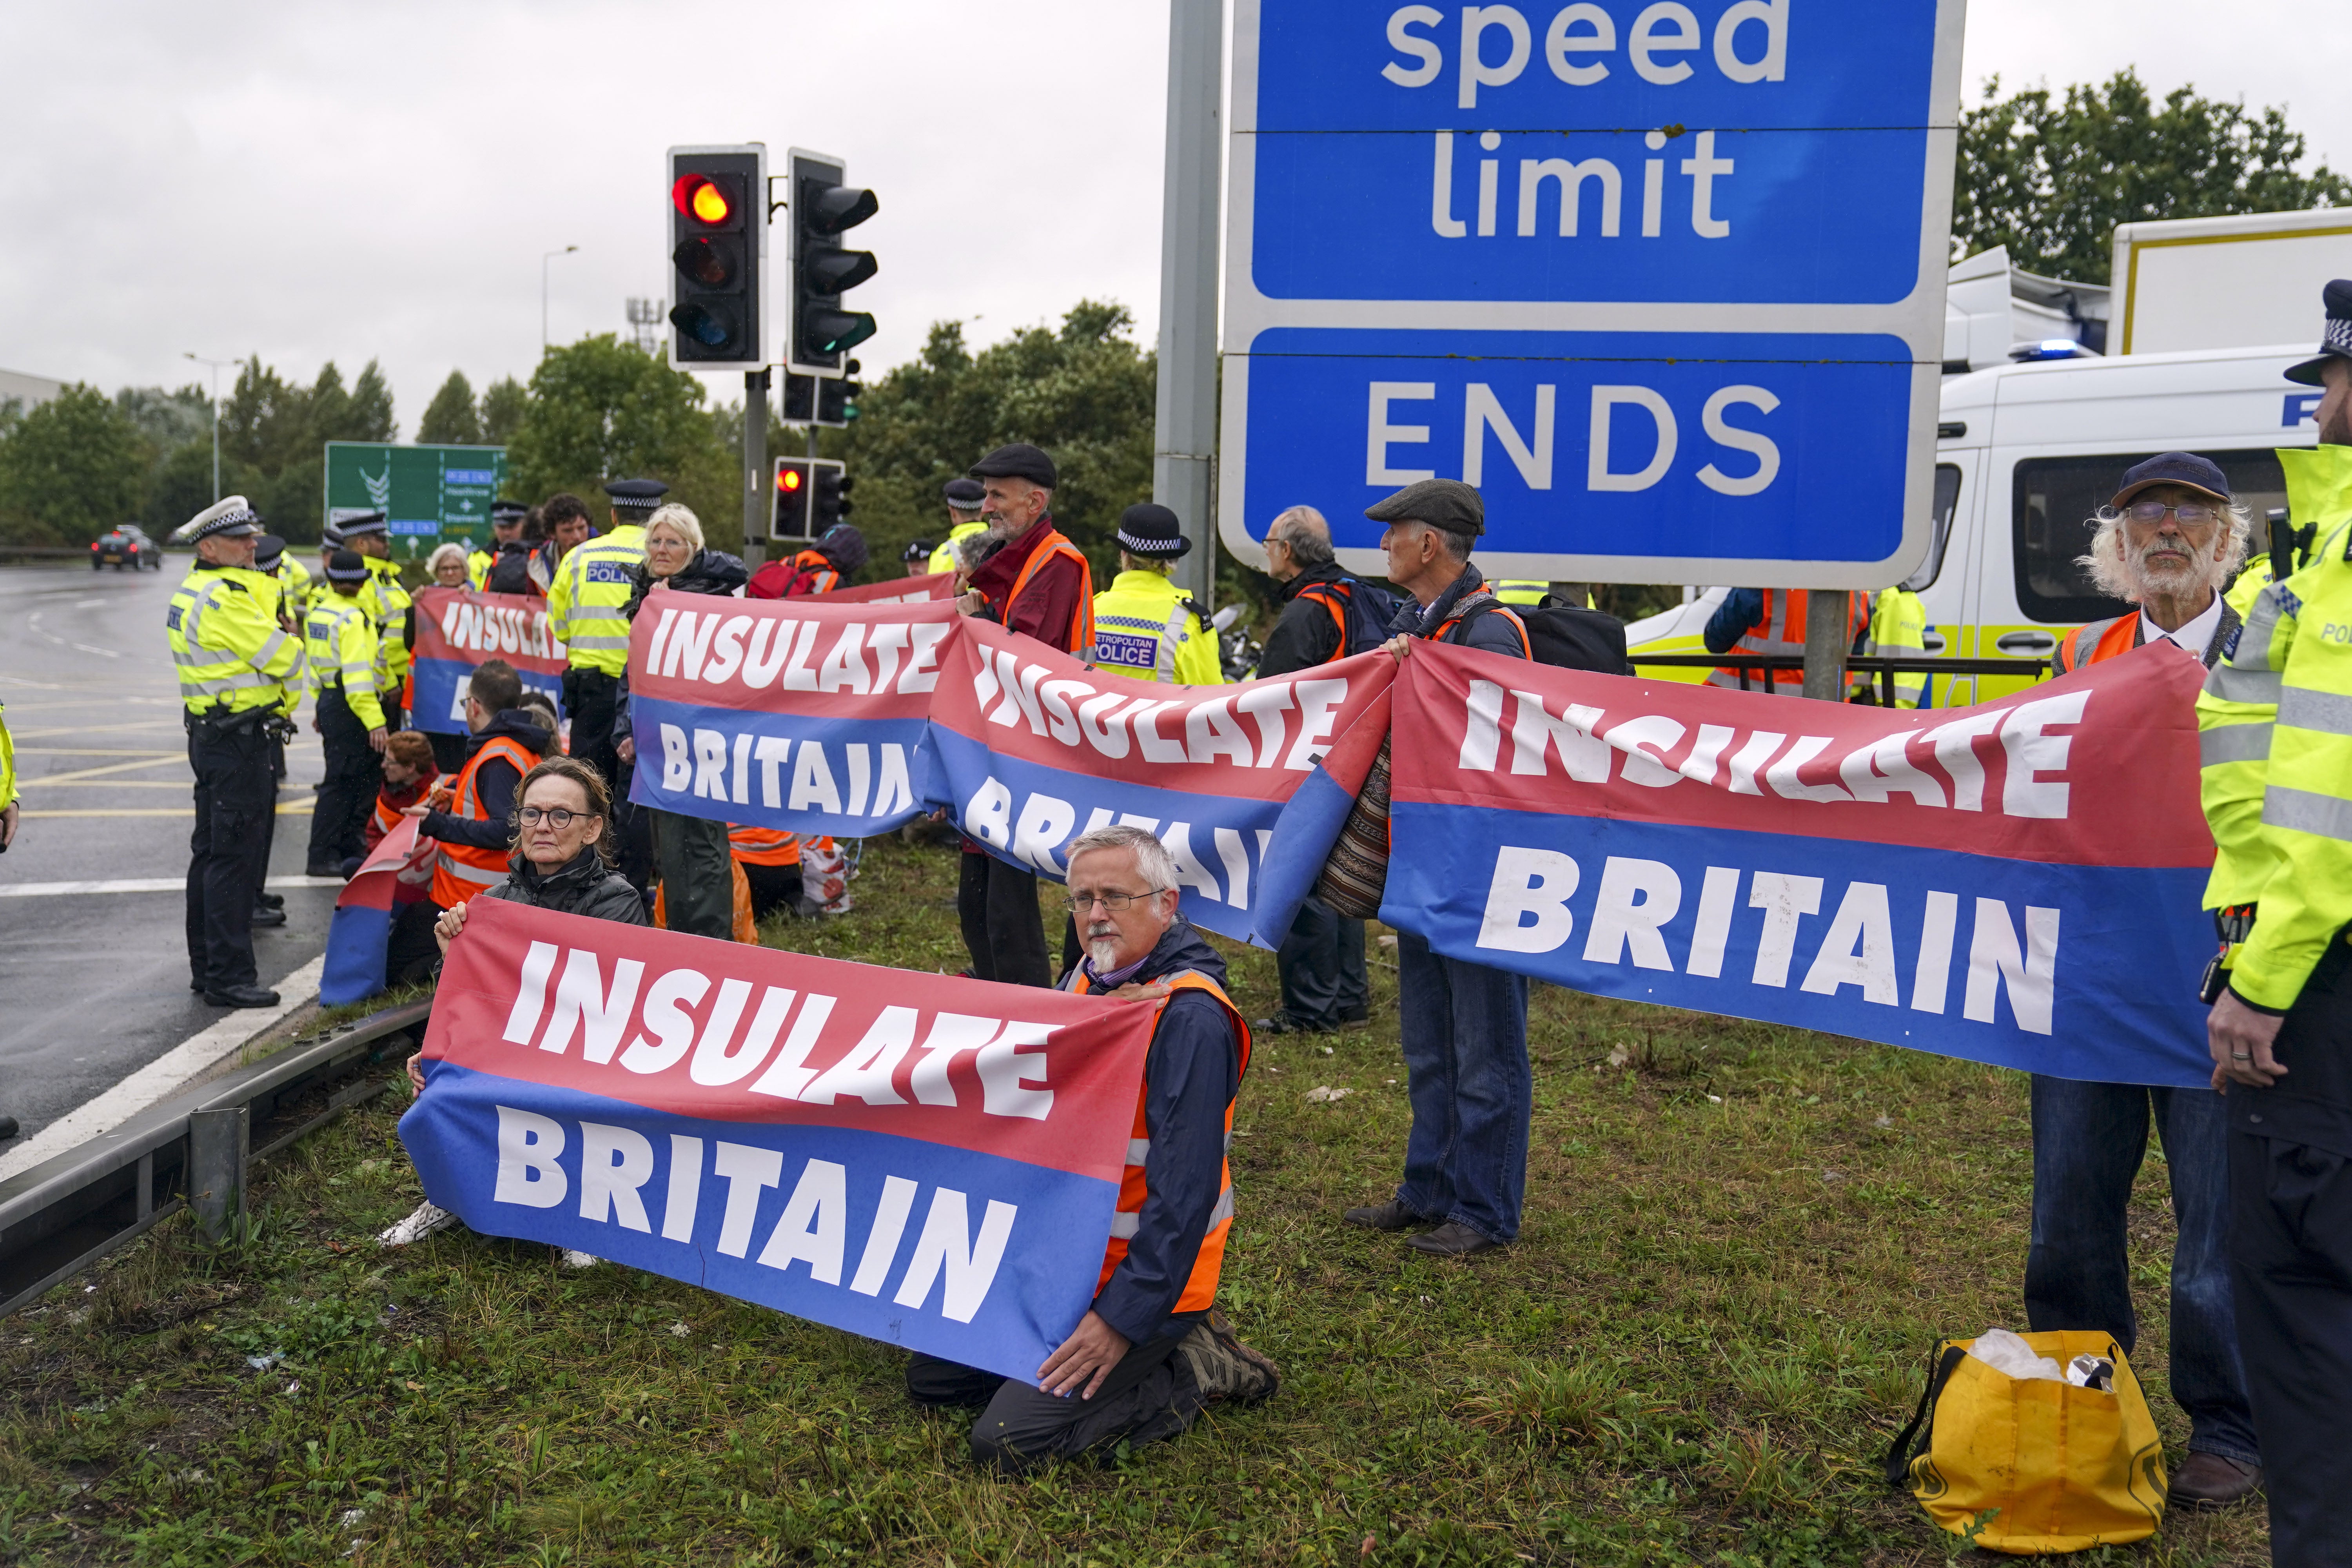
<point x="274" y="434"/>
<point x="69" y="469"/>
<point x="2049" y="178"/>
<point x="1085" y="392"/>
<point x="600" y="409"/>
<point x="503" y="401"/>
<point x="451" y="419"/>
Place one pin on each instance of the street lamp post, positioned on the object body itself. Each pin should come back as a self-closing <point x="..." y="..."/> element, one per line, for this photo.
<point x="215" y="364"/>
<point x="543" y="291"/>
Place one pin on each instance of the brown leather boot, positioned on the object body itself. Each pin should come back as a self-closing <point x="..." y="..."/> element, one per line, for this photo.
<point x="2209" y="1481"/>
<point x="1225" y="1369"/>
<point x="1389" y="1215"/>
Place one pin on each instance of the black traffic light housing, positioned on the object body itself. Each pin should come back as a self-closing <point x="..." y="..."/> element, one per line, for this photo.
<point x="809" y="497"/>
<point x="830" y="503"/>
<point x="718" y="245"/>
<point x="824" y="207"/>
<point x="826" y="400"/>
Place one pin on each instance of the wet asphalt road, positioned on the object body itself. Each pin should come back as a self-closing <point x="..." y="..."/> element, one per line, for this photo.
<point x="94" y="985"/>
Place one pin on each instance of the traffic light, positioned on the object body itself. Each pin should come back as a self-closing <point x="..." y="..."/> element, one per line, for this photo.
<point x="830" y="503"/>
<point x="826" y="400"/>
<point x="718" y="238"/>
<point x="822" y="209"/>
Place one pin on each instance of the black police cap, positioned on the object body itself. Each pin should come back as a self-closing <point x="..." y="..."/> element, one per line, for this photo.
<point x="1147" y="528"/>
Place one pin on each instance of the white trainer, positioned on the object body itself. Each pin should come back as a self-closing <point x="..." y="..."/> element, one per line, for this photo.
<point x="429" y="1218"/>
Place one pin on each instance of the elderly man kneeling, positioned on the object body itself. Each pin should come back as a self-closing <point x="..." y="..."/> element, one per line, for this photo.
<point x="1154" y="1351"/>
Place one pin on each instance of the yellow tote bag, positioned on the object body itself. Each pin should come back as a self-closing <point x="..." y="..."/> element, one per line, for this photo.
<point x="2026" y="1464"/>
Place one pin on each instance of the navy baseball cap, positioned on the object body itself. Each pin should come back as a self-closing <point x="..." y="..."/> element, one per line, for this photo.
<point x="2173" y="469"/>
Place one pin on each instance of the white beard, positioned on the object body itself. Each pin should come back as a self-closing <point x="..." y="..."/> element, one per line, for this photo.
<point x="1103" y="950"/>
<point x="2153" y="580"/>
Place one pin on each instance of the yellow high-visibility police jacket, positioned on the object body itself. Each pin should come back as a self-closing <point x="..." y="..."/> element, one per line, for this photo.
<point x="293" y="584"/>
<point x="2275" y="743"/>
<point x="591" y="590"/>
<point x="1147" y="628"/>
<point x="943" y="558"/>
<point x="1899" y="629"/>
<point x="231" y="653"/>
<point x="478" y="567"/>
<point x="387" y="600"/>
<point x="340" y="639"/>
<point x="7" y="763"/>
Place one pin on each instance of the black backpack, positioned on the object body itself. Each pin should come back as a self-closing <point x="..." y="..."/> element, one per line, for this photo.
<point x="1564" y="635"/>
<point x="1365" y="611"/>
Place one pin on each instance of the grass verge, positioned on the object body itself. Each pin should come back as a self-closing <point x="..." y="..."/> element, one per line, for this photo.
<point x="1741" y="1241"/>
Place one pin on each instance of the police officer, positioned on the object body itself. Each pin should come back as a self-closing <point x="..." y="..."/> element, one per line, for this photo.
<point x="235" y="662"/>
<point x="314" y="587"/>
<point x="506" y="527"/>
<point x="2276" y="745"/>
<point x="586" y="608"/>
<point x="386" y="600"/>
<point x="1146" y="628"/>
<point x="340" y="640"/>
<point x="270" y="559"/>
<point x="965" y="497"/>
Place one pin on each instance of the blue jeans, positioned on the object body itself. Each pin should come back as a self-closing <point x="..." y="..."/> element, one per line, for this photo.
<point x="2088" y="1140"/>
<point x="1465" y="1057"/>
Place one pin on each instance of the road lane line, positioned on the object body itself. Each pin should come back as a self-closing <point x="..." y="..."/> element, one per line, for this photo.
<point x="285" y="809"/>
<point x="165" y="1076"/>
<point x="142" y="885"/>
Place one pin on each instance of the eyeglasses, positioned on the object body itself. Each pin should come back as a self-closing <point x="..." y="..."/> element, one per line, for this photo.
<point x="1116" y="904"/>
<point x="2193" y="513"/>
<point x="555" y="816"/>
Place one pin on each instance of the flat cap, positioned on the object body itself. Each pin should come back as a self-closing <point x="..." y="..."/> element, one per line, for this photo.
<point x="508" y="512"/>
<point x="1149" y="529"/>
<point x="2335" y="338"/>
<point x="1448" y="504"/>
<point x="636" y="495"/>
<point x="1019" y="461"/>
<point x="2173" y="469"/>
<point x="267" y="551"/>
<point x="366" y="522"/>
<point x="347" y="567"/>
<point x="964" y="495"/>
<point x="231" y="515"/>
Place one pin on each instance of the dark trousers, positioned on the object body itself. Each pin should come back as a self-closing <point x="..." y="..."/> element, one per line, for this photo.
<point x="589" y="697"/>
<point x="1321" y="962"/>
<point x="1465" y="1033"/>
<point x="773" y="888"/>
<point x="235" y="796"/>
<point x="411" y="952"/>
<point x="269" y="822"/>
<point x="2088" y="1139"/>
<point x="2291" y="1257"/>
<point x="997" y="906"/>
<point x="1150" y="1396"/>
<point x="698" y="874"/>
<point x="347" y="794"/>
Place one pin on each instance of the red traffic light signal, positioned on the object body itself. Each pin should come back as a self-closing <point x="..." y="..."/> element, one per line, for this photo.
<point x="705" y="198"/>
<point x="718" y="234"/>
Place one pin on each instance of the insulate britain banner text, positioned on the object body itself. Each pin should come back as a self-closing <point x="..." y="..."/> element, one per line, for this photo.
<point x="458" y="629"/>
<point x="783" y="713"/>
<point x="2016" y="883"/>
<point x="1030" y="748"/>
<point x="927" y="1161"/>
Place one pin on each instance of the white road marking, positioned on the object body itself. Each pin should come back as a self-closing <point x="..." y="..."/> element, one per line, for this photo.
<point x="142" y="885"/>
<point x="285" y="809"/>
<point x="165" y="1076"/>
<point x="34" y="621"/>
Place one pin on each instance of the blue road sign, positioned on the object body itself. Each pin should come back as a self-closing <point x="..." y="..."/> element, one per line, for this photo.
<point x="1665" y="280"/>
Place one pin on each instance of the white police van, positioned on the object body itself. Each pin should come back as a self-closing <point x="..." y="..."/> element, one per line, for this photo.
<point x="2026" y="455"/>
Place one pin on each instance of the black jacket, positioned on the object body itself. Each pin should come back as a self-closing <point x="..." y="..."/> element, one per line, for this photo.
<point x="496" y="784"/>
<point x="1487" y="631"/>
<point x="586" y="887"/>
<point x="1189" y="1077"/>
<point x="1305" y="635"/>
<point x="711" y="572"/>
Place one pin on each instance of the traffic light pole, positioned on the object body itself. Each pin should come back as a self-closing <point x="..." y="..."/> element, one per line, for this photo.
<point x="757" y="502"/>
<point x="1185" y="428"/>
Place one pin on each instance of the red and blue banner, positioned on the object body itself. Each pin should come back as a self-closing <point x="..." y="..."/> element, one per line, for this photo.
<point x="458" y="629"/>
<point x="2016" y="883"/>
<point x="398" y="870"/>
<point x="1029" y="748"/>
<point x="927" y="1161"/>
<point x="790" y="713"/>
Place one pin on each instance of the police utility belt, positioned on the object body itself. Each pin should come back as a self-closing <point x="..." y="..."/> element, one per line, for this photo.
<point x="215" y="725"/>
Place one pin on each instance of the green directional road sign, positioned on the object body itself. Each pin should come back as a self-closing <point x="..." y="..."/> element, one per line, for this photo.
<point x="430" y="495"/>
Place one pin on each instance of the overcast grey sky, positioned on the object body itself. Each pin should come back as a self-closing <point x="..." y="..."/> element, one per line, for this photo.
<point x="336" y="181"/>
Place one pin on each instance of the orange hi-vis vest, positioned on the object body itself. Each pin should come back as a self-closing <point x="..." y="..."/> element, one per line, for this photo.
<point x="823" y="577"/>
<point x="1201" y="1288"/>
<point x="462" y="870"/>
<point x="764" y="846"/>
<point x="1081" y="637"/>
<point x="1779" y="630"/>
<point x="2099" y="640"/>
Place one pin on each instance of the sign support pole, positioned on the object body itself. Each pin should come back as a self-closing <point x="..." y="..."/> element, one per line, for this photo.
<point x="1829" y="636"/>
<point x="1184" y="429"/>
<point x="756" y="499"/>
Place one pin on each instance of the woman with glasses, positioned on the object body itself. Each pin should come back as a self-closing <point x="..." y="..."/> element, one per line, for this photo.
<point x="562" y="861"/>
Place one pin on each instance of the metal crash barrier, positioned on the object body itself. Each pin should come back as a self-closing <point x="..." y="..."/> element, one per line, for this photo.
<point x="192" y="1152"/>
